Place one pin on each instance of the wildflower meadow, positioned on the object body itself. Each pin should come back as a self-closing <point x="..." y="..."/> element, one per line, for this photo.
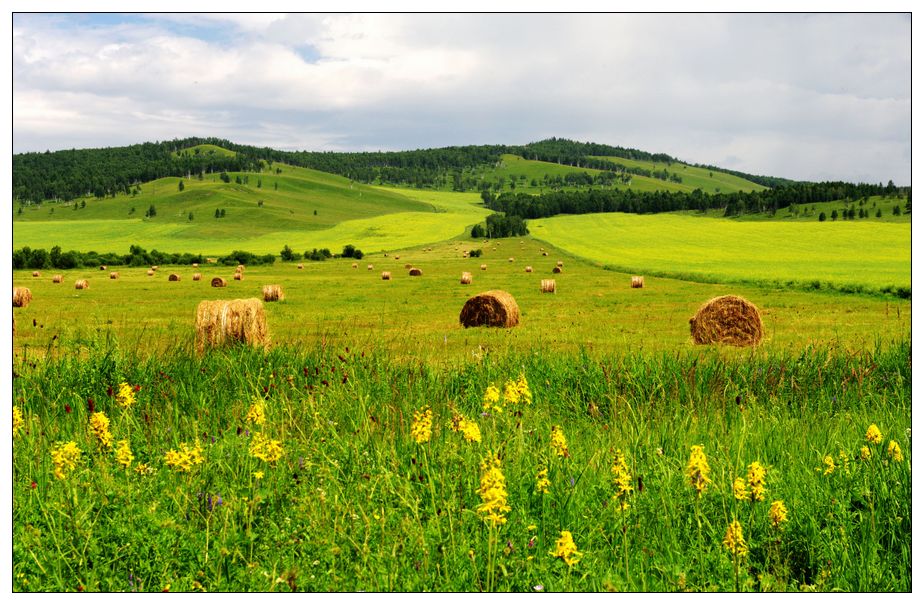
<point x="342" y="470"/>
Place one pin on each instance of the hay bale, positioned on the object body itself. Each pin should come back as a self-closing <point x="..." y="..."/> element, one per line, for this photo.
<point x="545" y="254"/>
<point x="173" y="277"/>
<point x="197" y="277"/>
<point x="638" y="281"/>
<point x="195" y="265"/>
<point x="222" y="322"/>
<point x="102" y="267"/>
<point x="219" y="282"/>
<point x="356" y="265"/>
<point x="559" y="264"/>
<point x="81" y="284"/>
<point x="240" y="269"/>
<point x="510" y="260"/>
<point x="529" y="269"/>
<point x="466" y="277"/>
<point x="408" y="266"/>
<point x="730" y="320"/>
<point x="369" y="267"/>
<point x="150" y="272"/>
<point x="273" y="293"/>
<point x="557" y="270"/>
<point x="154" y="267"/>
<point x="211" y="261"/>
<point x="494" y="308"/>
<point x="22" y="297"/>
<point x="301" y="266"/>
<point x="238" y="276"/>
<point x="386" y="275"/>
<point x="484" y="267"/>
<point x="36" y="274"/>
<point x="547" y="286"/>
<point x="397" y="257"/>
<point x="113" y="275"/>
<point x="415" y="272"/>
<point x="57" y="279"/>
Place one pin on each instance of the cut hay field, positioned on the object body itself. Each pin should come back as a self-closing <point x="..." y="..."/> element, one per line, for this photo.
<point x="417" y="317"/>
<point x="867" y="254"/>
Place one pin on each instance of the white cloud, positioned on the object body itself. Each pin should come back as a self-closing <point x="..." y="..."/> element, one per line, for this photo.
<point x="700" y="87"/>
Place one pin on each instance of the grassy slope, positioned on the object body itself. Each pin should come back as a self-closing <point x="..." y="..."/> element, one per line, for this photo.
<point x="874" y="253"/>
<point x="207" y="149"/>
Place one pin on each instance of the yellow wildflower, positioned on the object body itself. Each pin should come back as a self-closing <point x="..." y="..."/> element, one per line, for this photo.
<point x="468" y="428"/>
<point x="566" y="549"/>
<point x="757" y="475"/>
<point x="267" y="450"/>
<point x="778" y="513"/>
<point x="184" y="458"/>
<point x="18" y="421"/>
<point x="493" y="491"/>
<point x="542" y="481"/>
<point x="491" y="399"/>
<point x="622" y="479"/>
<point x="845" y="462"/>
<point x="422" y="427"/>
<point x="143" y="469"/>
<point x="126" y="395"/>
<point x="740" y="488"/>
<point x="258" y="475"/>
<point x="734" y="539"/>
<point x="865" y="453"/>
<point x="511" y="393"/>
<point x="124" y="454"/>
<point x="873" y="434"/>
<point x="559" y="443"/>
<point x="828" y="461"/>
<point x="895" y="452"/>
<point x="526" y="396"/>
<point x="99" y="426"/>
<point x="65" y="458"/>
<point x="698" y="469"/>
<point x="257" y="412"/>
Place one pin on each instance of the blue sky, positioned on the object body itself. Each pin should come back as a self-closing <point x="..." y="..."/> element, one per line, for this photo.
<point x="801" y="96"/>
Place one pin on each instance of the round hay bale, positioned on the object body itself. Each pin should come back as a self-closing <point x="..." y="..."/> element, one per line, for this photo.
<point x="356" y="265"/>
<point x="466" y="278"/>
<point x="102" y="267"/>
<point x="415" y="272"/>
<point x="173" y="277"/>
<point x="386" y="275"/>
<point x="154" y="267"/>
<point x="397" y="257"/>
<point x="219" y="282"/>
<point x="510" y="260"/>
<point x="638" y="281"/>
<point x="211" y="261"/>
<point x="559" y="264"/>
<point x="113" y="275"/>
<point x="36" y="274"/>
<point x="197" y="277"/>
<point x="81" y="284"/>
<point x="150" y="272"/>
<point x="730" y="320"/>
<point x="547" y="286"/>
<point x="369" y="267"/>
<point x="557" y="270"/>
<point x="465" y="255"/>
<point x="22" y="297"/>
<point x="545" y="254"/>
<point x="57" y="279"/>
<point x="484" y="267"/>
<point x="529" y="269"/>
<point x="273" y="293"/>
<point x="494" y="308"/>
<point x="238" y="276"/>
<point x="195" y="265"/>
<point x="301" y="266"/>
<point x="408" y="266"/>
<point x="240" y="269"/>
<point x="223" y="322"/>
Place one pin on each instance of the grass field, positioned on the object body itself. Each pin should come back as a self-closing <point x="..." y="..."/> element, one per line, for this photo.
<point x="710" y="181"/>
<point x="871" y="254"/>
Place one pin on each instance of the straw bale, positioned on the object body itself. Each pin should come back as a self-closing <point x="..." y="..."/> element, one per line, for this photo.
<point x="547" y="286"/>
<point x="238" y="276"/>
<point x="224" y="322"/>
<point x="728" y="320"/>
<point x="197" y="277"/>
<point x="529" y="269"/>
<point x="219" y="282"/>
<point x="113" y="275"/>
<point x="466" y="277"/>
<point x="557" y="269"/>
<point x="386" y="275"/>
<point x="22" y="297"/>
<point x="273" y="293"/>
<point x="638" y="281"/>
<point x="57" y="279"/>
<point x="494" y="308"/>
<point x="36" y="274"/>
<point x="415" y="272"/>
<point x="81" y="284"/>
<point x="173" y="277"/>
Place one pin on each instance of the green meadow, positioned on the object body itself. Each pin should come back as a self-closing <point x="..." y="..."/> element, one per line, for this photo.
<point x="841" y="253"/>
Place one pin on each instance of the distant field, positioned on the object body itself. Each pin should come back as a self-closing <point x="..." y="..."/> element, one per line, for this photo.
<point x="869" y="253"/>
<point x="693" y="178"/>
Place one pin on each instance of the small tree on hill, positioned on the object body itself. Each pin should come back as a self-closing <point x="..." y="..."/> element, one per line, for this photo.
<point x="181" y="186"/>
<point x="822" y="217"/>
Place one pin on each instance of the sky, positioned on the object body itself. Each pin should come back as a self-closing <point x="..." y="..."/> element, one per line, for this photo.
<point x="801" y="96"/>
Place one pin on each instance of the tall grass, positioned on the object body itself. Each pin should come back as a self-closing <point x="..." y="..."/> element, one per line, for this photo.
<point x="355" y="503"/>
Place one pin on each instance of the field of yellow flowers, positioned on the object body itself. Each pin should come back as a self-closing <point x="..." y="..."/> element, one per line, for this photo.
<point x="344" y="471"/>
